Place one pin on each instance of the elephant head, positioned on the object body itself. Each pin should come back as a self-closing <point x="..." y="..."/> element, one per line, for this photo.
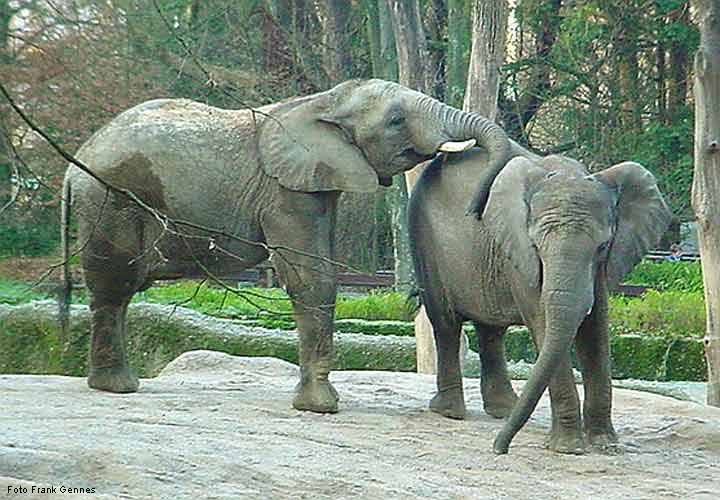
<point x="565" y="230"/>
<point x="363" y="132"/>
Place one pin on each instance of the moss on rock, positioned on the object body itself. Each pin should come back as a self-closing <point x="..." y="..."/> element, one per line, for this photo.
<point x="32" y="343"/>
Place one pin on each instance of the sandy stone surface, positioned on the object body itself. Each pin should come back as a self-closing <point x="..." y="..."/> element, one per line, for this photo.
<point x="215" y="426"/>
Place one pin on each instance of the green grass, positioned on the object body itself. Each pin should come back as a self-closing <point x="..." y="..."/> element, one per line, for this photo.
<point x="264" y="302"/>
<point x="13" y="292"/>
<point x="659" y="313"/>
<point x="376" y="306"/>
<point x="240" y="303"/>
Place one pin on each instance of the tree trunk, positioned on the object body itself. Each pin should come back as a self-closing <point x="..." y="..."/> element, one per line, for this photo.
<point x="404" y="274"/>
<point x="411" y="55"/>
<point x="410" y="43"/>
<point x="661" y="83"/>
<point x="706" y="181"/>
<point x="6" y="14"/>
<point x="459" y="21"/>
<point x="679" y="62"/>
<point x="382" y="41"/>
<point x="388" y="52"/>
<point x="435" y="22"/>
<point x="488" y="54"/>
<point x="373" y="34"/>
<point x="517" y="115"/>
<point x="6" y="187"/>
<point x="338" y="62"/>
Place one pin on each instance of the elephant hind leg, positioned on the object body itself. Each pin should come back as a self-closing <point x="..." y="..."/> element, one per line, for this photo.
<point x="497" y="392"/>
<point x="113" y="274"/>
<point x="449" y="400"/>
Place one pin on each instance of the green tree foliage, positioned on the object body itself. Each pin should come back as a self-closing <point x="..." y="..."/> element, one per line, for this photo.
<point x="602" y="80"/>
<point x="606" y="81"/>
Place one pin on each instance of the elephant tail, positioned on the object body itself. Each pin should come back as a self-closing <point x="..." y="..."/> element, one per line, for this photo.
<point x="413" y="301"/>
<point x="65" y="290"/>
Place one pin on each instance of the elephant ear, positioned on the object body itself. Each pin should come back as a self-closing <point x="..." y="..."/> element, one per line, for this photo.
<point x="642" y="216"/>
<point x="305" y="149"/>
<point x="507" y="215"/>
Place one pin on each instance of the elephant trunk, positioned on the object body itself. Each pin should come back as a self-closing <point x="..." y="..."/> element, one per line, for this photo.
<point x="567" y="299"/>
<point x="462" y="125"/>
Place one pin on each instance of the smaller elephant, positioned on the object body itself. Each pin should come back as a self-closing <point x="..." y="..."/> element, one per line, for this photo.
<point x="553" y="240"/>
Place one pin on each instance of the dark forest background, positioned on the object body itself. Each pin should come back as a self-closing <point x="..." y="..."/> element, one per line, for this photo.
<point x="599" y="80"/>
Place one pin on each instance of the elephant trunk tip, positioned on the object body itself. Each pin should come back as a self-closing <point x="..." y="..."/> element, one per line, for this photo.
<point x="478" y="202"/>
<point x="502" y="443"/>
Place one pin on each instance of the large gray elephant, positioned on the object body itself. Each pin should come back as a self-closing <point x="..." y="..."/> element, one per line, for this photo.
<point x="551" y="243"/>
<point x="238" y="186"/>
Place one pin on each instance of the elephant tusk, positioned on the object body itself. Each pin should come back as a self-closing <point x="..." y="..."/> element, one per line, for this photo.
<point x="456" y="147"/>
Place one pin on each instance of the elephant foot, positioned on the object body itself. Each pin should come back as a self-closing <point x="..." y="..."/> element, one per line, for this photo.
<point x="568" y="443"/>
<point x="119" y="379"/>
<point x="603" y="439"/>
<point x="318" y="396"/>
<point x="449" y="403"/>
<point x="501" y="405"/>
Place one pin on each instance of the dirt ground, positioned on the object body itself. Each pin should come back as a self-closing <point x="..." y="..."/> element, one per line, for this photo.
<point x="221" y="427"/>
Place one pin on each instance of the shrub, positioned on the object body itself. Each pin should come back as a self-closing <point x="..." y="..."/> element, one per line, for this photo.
<point x="668" y="276"/>
<point x="672" y="313"/>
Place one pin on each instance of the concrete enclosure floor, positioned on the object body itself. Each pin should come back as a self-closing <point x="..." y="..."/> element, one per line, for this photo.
<point x="216" y="426"/>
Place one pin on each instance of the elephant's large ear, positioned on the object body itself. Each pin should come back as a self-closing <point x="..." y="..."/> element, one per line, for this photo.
<point x="642" y="216"/>
<point x="306" y="150"/>
<point x="507" y="213"/>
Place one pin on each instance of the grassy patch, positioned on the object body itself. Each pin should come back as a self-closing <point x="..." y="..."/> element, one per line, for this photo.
<point x="264" y="303"/>
<point x="244" y="303"/>
<point x="668" y="313"/>
<point x="15" y="292"/>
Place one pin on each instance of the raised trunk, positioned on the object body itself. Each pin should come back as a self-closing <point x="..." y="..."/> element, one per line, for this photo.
<point x="567" y="298"/>
<point x="462" y="125"/>
<point x="706" y="180"/>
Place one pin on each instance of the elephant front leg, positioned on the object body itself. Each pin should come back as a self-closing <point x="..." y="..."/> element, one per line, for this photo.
<point x="593" y="351"/>
<point x="566" y="432"/>
<point x="300" y="236"/>
<point x="314" y="312"/>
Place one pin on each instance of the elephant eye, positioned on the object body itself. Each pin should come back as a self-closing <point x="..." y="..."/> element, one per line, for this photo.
<point x="396" y="121"/>
<point x="603" y="246"/>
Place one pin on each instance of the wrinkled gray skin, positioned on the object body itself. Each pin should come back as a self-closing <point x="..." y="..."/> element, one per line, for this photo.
<point x="551" y="243"/>
<point x="268" y="177"/>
